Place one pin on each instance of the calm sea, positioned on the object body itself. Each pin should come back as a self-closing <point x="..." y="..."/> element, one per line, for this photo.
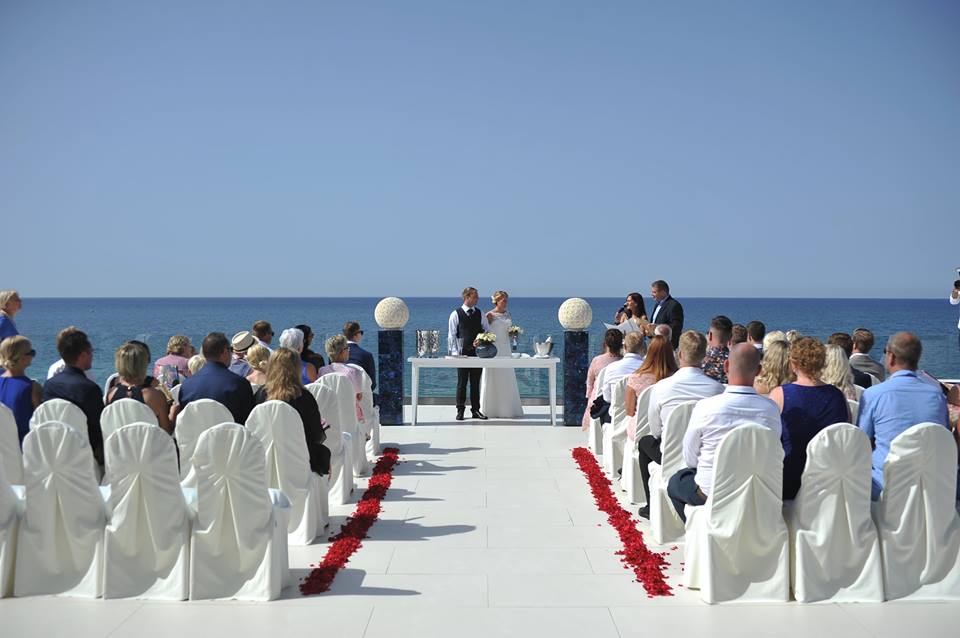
<point x="109" y="322"/>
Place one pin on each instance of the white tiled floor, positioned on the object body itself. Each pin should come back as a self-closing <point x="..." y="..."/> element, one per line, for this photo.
<point x="488" y="530"/>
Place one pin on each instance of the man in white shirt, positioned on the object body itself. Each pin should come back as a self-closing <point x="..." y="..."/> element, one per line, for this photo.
<point x="712" y="419"/>
<point x="633" y="351"/>
<point x="689" y="383"/>
<point x="955" y="299"/>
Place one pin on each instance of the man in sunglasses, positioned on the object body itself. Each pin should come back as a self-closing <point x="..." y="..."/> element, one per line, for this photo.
<point x="359" y="356"/>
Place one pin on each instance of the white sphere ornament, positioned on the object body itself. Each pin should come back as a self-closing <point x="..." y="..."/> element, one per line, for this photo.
<point x="575" y="314"/>
<point x="391" y="313"/>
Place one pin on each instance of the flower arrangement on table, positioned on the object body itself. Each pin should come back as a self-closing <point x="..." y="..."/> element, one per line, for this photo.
<point x="514" y="332"/>
<point x="485" y="337"/>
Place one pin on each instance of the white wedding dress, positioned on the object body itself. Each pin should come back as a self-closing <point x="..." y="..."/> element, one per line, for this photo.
<point x="499" y="395"/>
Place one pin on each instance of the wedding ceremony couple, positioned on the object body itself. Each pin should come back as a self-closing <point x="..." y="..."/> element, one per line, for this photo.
<point x="493" y="392"/>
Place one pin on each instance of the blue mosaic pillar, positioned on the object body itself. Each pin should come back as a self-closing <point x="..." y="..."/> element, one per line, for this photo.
<point x="390" y="377"/>
<point x="576" y="346"/>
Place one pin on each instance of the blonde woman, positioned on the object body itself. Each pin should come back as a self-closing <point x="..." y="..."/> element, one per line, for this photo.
<point x="17" y="391"/>
<point x="770" y="337"/>
<point x="257" y="357"/>
<point x="283" y="384"/>
<point x="775" y="368"/>
<point x="10" y="305"/>
<point x="499" y="394"/>
<point x="196" y="362"/>
<point x="178" y="355"/>
<point x="838" y="373"/>
<point x="131" y="360"/>
<point x="338" y="350"/>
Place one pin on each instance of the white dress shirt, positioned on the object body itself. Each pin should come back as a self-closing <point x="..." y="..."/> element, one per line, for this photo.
<point x="618" y="370"/>
<point x="686" y="384"/>
<point x="714" y="416"/>
<point x="57" y="367"/>
<point x="264" y="344"/>
<point x="453" y="326"/>
<point x="953" y="302"/>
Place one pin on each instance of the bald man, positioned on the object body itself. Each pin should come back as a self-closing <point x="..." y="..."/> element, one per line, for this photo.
<point x="713" y="418"/>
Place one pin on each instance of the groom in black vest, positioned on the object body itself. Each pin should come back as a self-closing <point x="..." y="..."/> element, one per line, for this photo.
<point x="466" y="322"/>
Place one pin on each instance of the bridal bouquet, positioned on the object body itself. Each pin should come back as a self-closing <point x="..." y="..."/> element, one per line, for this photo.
<point x="486" y="337"/>
<point x="514" y="331"/>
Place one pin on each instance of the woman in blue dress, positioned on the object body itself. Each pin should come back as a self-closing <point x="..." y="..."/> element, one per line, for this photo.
<point x="10" y="305"/>
<point x="17" y="391"/>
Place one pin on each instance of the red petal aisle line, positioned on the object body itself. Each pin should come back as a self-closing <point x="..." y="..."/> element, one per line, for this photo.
<point x="646" y="565"/>
<point x="355" y="529"/>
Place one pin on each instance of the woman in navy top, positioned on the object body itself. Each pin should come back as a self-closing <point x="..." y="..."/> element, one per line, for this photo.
<point x="807" y="406"/>
<point x="17" y="391"/>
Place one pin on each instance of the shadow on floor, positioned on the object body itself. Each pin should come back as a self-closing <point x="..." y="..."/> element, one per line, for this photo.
<point x="349" y="582"/>
<point x="406" y="530"/>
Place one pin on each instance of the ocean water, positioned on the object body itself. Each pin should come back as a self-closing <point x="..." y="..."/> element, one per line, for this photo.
<point x="111" y="321"/>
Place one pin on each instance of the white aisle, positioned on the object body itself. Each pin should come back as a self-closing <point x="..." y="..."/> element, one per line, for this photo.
<point x="488" y="530"/>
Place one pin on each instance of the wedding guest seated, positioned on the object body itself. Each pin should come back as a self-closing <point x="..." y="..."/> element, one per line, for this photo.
<point x="263" y="332"/>
<point x="845" y="341"/>
<point x="756" y="331"/>
<point x="131" y="360"/>
<point x="359" y="356"/>
<point x="178" y="354"/>
<point x="664" y="330"/>
<point x="775" y="335"/>
<point x="338" y="350"/>
<point x="738" y="334"/>
<point x="634" y="348"/>
<point x="806" y="405"/>
<point x="775" y="369"/>
<point x="215" y="381"/>
<point x="793" y="335"/>
<point x="292" y="339"/>
<point x="195" y="363"/>
<point x="838" y="373"/>
<point x="633" y="310"/>
<point x="309" y="355"/>
<point x="257" y="357"/>
<point x="240" y="344"/>
<point x="717" y="351"/>
<point x="59" y="366"/>
<point x="612" y="347"/>
<point x="900" y="402"/>
<point x="10" y="305"/>
<point x="657" y="365"/>
<point x="148" y="381"/>
<point x="688" y="383"/>
<point x="712" y="419"/>
<point x="73" y="385"/>
<point x="18" y="391"/>
<point x="860" y="358"/>
<point x="283" y="384"/>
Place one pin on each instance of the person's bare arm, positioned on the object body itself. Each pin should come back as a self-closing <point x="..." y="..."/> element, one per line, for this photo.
<point x="776" y="395"/>
<point x="158" y="403"/>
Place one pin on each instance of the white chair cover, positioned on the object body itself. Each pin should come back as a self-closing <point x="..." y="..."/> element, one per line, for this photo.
<point x="106" y="386"/>
<point x="630" y="479"/>
<point x="196" y="418"/>
<point x="124" y="412"/>
<point x="859" y="391"/>
<point x="665" y="523"/>
<point x="835" y="551"/>
<point x="11" y="509"/>
<point x="280" y="431"/>
<point x="347" y="415"/>
<point x="615" y="432"/>
<point x="147" y="542"/>
<point x="854" y="408"/>
<point x="11" y="459"/>
<point x="62" y="411"/>
<point x="175" y="393"/>
<point x="239" y="541"/>
<point x="737" y="543"/>
<point x="60" y="545"/>
<point x="370" y="424"/>
<point x="338" y="441"/>
<point x="917" y="517"/>
<point x="595" y="431"/>
<point x="874" y="379"/>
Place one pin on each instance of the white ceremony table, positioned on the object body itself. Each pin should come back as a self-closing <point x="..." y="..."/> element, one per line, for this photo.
<point x="550" y="363"/>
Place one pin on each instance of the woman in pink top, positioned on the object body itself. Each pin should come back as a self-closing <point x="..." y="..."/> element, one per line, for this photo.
<point x="612" y="348"/>
<point x="338" y="350"/>
<point x="178" y="354"/>
<point x="658" y="364"/>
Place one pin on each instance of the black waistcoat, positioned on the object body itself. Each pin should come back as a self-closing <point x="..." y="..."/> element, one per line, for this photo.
<point x="469" y="328"/>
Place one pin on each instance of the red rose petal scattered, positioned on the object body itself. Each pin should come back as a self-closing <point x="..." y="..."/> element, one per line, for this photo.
<point x="647" y="566"/>
<point x="354" y="528"/>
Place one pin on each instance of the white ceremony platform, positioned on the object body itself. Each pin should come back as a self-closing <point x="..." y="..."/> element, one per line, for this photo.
<point x="488" y="530"/>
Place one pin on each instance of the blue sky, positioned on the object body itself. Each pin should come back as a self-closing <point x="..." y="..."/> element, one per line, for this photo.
<point x="548" y="148"/>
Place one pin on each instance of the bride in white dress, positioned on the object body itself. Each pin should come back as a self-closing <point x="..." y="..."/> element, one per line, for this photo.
<point x="499" y="395"/>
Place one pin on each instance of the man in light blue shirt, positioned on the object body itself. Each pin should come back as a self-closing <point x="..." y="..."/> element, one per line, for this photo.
<point x="900" y="402"/>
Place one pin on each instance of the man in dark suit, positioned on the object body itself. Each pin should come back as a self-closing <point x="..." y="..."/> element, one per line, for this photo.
<point x="666" y="310"/>
<point x="215" y="381"/>
<point x="72" y="384"/>
<point x="359" y="356"/>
